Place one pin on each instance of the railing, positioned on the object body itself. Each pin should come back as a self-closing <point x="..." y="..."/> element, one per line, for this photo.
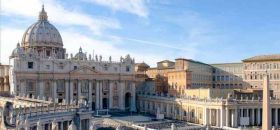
<point x="210" y="100"/>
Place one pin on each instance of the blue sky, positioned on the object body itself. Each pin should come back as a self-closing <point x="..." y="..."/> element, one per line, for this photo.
<point x="211" y="31"/>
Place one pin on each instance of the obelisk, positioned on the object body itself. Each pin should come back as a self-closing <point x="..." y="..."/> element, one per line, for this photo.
<point x="266" y="118"/>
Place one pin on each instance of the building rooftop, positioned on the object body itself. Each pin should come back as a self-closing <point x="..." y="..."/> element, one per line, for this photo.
<point x="142" y="64"/>
<point x="165" y="61"/>
<point x="274" y="57"/>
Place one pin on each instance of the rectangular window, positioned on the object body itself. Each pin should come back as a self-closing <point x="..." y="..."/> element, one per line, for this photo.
<point x="30" y="65"/>
<point x="75" y="67"/>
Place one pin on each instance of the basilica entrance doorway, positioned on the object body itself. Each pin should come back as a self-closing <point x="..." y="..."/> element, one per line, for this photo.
<point x="105" y="103"/>
<point x="93" y="105"/>
<point x="127" y="101"/>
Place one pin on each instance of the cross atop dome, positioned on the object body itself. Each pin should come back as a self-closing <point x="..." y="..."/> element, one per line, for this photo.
<point x="43" y="14"/>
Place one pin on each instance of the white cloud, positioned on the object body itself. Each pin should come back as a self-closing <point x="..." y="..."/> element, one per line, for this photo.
<point x="57" y="14"/>
<point x="9" y="38"/>
<point x="73" y="41"/>
<point x="137" y="7"/>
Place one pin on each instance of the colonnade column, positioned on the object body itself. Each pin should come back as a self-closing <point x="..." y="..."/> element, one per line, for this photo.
<point x="54" y="91"/>
<point x="227" y="117"/>
<point x="111" y="93"/>
<point x="210" y="119"/>
<point x="259" y="116"/>
<point x="241" y="112"/>
<point x="276" y="117"/>
<point x="217" y="117"/>
<point x="235" y="124"/>
<point x="97" y="92"/>
<point x="90" y="94"/>
<point x="66" y="91"/>
<point x="206" y="116"/>
<point x="253" y="117"/>
<point x="222" y="117"/>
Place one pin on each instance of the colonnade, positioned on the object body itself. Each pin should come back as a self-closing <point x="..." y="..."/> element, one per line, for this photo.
<point x="214" y="114"/>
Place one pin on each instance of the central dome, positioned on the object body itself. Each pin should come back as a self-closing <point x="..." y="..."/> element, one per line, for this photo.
<point x="42" y="34"/>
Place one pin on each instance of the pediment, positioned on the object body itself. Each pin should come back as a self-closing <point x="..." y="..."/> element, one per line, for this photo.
<point x="84" y="70"/>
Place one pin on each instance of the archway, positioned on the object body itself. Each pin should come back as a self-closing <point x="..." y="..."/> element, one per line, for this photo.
<point x="127" y="101"/>
<point x="105" y="103"/>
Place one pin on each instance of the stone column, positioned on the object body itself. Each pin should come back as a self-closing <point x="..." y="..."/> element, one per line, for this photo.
<point x="111" y="92"/>
<point x="276" y="117"/>
<point x="217" y="117"/>
<point x="54" y="91"/>
<point x="236" y="118"/>
<point x="167" y="109"/>
<point x="241" y="112"/>
<point x="247" y="113"/>
<point x="259" y="116"/>
<point x="222" y="119"/>
<point x="97" y="96"/>
<point x="227" y="117"/>
<point x="71" y="90"/>
<point x="253" y="116"/>
<point x="210" y="119"/>
<point x="66" y="93"/>
<point x="41" y="89"/>
<point x="90" y="95"/>
<point x="266" y="118"/>
<point x="61" y="125"/>
<point x="121" y="95"/>
<point x="22" y="87"/>
<point x="231" y="112"/>
<point x="206" y="116"/>
<point x="101" y="94"/>
<point x="133" y="98"/>
<point x="79" y="89"/>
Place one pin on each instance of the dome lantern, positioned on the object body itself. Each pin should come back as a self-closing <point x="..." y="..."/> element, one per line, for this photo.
<point x="43" y="14"/>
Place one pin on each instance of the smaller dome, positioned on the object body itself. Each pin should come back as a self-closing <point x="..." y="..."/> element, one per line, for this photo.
<point x="17" y="51"/>
<point x="80" y="55"/>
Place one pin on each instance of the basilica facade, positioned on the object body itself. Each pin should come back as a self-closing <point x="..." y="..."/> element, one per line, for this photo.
<point x="41" y="68"/>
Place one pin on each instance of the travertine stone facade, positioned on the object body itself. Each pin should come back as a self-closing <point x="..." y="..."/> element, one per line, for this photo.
<point x="256" y="66"/>
<point x="4" y="79"/>
<point x="219" y="113"/>
<point x="181" y="75"/>
<point x="188" y="74"/>
<point x="40" y="67"/>
<point x="228" y="75"/>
